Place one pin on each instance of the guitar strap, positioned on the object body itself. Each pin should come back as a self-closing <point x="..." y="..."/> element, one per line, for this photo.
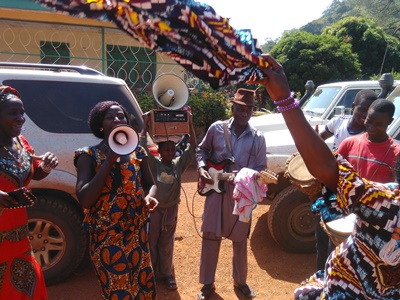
<point x="228" y="143"/>
<point x="228" y="140"/>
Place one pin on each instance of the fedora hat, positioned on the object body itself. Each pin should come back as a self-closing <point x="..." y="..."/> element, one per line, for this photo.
<point x="244" y="97"/>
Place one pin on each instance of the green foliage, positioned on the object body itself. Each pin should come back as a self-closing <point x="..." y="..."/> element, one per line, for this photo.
<point x="268" y="45"/>
<point x="146" y="102"/>
<point x="208" y="107"/>
<point x="385" y="13"/>
<point x="321" y="58"/>
<point x="375" y="49"/>
<point x="396" y="76"/>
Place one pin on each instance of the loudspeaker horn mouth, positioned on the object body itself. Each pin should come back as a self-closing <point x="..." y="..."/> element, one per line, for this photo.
<point x="123" y="139"/>
<point x="120" y="137"/>
<point x="170" y="91"/>
<point x="167" y="98"/>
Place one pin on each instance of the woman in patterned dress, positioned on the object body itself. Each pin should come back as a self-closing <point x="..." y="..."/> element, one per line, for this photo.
<point x="112" y="189"/>
<point x="20" y="274"/>
<point x="367" y="264"/>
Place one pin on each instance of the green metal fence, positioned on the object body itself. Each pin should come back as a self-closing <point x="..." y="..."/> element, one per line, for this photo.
<point x="105" y="49"/>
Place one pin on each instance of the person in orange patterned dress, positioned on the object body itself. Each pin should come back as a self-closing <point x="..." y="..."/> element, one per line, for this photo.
<point x="20" y="275"/>
<point x="112" y="189"/>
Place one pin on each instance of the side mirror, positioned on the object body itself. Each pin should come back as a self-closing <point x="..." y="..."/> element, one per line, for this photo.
<point x="386" y="84"/>
<point x="310" y="87"/>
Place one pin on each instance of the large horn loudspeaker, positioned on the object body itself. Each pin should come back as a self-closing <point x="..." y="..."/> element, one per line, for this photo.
<point x="170" y="121"/>
<point x="170" y="91"/>
<point x="123" y="139"/>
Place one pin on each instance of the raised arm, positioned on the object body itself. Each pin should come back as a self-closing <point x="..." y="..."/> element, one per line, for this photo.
<point x="193" y="140"/>
<point x="317" y="156"/>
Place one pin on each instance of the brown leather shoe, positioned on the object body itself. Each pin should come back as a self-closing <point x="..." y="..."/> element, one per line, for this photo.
<point x="206" y="291"/>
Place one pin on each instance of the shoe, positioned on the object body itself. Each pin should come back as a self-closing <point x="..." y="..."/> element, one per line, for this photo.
<point x="245" y="290"/>
<point x="206" y="291"/>
<point x="170" y="283"/>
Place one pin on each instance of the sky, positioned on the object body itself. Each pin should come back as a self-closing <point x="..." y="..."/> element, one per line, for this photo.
<point x="268" y="18"/>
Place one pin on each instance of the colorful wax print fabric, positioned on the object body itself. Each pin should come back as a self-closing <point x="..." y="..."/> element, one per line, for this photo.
<point x="189" y="32"/>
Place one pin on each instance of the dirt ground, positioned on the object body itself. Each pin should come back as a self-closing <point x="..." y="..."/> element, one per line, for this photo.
<point x="273" y="272"/>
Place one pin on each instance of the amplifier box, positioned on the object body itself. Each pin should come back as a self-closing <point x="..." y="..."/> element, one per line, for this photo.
<point x="169" y="122"/>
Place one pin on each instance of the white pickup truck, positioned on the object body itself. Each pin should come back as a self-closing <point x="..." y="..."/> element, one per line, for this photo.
<point x="290" y="220"/>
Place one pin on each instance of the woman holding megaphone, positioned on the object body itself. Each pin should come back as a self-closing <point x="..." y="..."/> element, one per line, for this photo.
<point x="118" y="192"/>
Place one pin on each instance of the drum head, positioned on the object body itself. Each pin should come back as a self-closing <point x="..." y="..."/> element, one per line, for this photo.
<point x="342" y="227"/>
<point x="298" y="171"/>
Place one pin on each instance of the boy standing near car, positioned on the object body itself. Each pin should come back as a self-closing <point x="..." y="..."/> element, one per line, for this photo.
<point x="167" y="171"/>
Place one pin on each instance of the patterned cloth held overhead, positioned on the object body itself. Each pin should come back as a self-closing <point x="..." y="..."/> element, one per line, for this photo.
<point x="356" y="269"/>
<point x="118" y="230"/>
<point x="189" y="32"/>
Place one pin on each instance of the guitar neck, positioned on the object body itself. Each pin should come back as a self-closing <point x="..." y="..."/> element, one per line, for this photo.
<point x="224" y="176"/>
<point x="266" y="176"/>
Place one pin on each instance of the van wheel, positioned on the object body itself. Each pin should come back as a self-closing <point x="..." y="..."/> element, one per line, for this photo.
<point x="291" y="221"/>
<point x="57" y="237"/>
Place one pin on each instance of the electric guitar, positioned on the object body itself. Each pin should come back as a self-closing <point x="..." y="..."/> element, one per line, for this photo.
<point x="218" y="174"/>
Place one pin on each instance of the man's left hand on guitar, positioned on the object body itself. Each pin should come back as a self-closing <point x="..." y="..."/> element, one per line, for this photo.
<point x="231" y="179"/>
<point x="205" y="176"/>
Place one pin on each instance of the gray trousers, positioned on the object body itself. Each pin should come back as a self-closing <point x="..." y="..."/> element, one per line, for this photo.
<point x="209" y="258"/>
<point x="161" y="238"/>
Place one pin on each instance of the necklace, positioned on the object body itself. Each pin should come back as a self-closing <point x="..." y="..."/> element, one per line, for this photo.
<point x="19" y="163"/>
<point x="358" y="158"/>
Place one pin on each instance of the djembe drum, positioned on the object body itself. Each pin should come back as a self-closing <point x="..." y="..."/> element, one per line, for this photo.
<point x="340" y="229"/>
<point x="298" y="174"/>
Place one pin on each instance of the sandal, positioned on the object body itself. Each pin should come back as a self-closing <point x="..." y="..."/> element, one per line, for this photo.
<point x="170" y="283"/>
<point x="245" y="290"/>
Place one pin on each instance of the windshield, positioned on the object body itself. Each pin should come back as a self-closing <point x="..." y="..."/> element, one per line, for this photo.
<point x="395" y="98"/>
<point x="320" y="100"/>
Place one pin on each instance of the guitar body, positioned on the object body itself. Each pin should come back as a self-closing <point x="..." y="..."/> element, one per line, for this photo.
<point x="217" y="173"/>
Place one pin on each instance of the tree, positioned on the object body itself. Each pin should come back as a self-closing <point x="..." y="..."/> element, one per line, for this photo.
<point x="269" y="44"/>
<point x="321" y="58"/>
<point x="374" y="47"/>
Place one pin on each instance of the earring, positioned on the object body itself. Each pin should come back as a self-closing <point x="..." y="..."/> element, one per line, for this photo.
<point x="101" y="129"/>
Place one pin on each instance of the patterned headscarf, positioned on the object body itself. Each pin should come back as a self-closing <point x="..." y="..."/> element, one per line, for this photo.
<point x="189" y="32"/>
<point x="5" y="90"/>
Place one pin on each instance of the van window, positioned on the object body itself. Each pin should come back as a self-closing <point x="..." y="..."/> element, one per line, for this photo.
<point x="63" y="107"/>
<point x="345" y="103"/>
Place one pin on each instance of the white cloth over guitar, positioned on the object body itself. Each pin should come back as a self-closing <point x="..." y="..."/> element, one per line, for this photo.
<point x="247" y="193"/>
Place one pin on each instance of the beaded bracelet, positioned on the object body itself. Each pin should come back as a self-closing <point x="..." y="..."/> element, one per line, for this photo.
<point x="279" y="102"/>
<point x="292" y="105"/>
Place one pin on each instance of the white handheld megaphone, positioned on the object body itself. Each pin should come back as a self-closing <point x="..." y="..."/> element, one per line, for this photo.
<point x="170" y="91"/>
<point x="123" y="139"/>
